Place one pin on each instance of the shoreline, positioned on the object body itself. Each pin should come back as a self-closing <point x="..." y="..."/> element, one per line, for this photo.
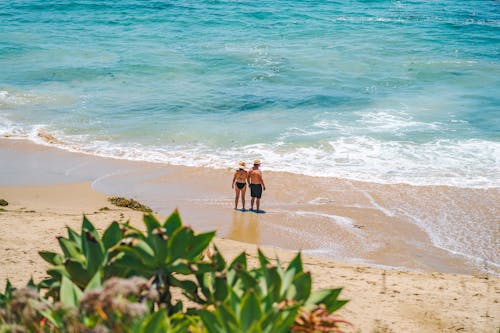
<point x="381" y="300"/>
<point x="363" y="223"/>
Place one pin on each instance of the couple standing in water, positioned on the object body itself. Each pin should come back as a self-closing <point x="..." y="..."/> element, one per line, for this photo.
<point x="254" y="179"/>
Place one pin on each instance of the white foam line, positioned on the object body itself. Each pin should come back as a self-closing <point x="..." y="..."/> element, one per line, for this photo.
<point x="108" y="175"/>
<point x="376" y="205"/>
<point x="78" y="166"/>
<point x="339" y="219"/>
<point x="372" y="201"/>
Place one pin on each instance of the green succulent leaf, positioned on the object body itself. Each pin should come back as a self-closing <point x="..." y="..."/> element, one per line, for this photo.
<point x="221" y="288"/>
<point x="93" y="250"/>
<point x="71" y="249"/>
<point x="95" y="282"/>
<point x="201" y="267"/>
<point x="296" y="264"/>
<point x="51" y="257"/>
<point x="151" y="223"/>
<point x="172" y="223"/>
<point x="328" y="297"/>
<point x="302" y="286"/>
<point x="70" y="293"/>
<point x="112" y="236"/>
<point x="250" y="311"/>
<point x="178" y="243"/>
<point x="88" y="226"/>
<point x="228" y="318"/>
<point x="77" y="272"/>
<point x="142" y="252"/>
<point x="262" y="259"/>
<point x="211" y="322"/>
<point x="218" y="260"/>
<point x="200" y="243"/>
<point x="189" y="287"/>
<point x="57" y="271"/>
<point x="157" y="322"/>
<point x="74" y="236"/>
<point x="240" y="262"/>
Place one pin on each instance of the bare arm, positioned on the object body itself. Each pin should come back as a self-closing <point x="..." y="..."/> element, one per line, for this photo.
<point x="234" y="178"/>
<point x="248" y="177"/>
<point x="262" y="181"/>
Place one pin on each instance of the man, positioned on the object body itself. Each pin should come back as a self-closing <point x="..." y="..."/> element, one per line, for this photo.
<point x="256" y="184"/>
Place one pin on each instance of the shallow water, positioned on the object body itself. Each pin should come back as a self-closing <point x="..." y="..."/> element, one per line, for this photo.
<point x="386" y="91"/>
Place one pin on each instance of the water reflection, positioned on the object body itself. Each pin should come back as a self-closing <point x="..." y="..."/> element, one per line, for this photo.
<point x="245" y="227"/>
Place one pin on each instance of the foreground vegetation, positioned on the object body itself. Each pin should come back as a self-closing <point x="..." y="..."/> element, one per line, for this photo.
<point x="125" y="281"/>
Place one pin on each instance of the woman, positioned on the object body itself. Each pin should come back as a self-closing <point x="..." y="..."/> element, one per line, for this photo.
<point x="240" y="180"/>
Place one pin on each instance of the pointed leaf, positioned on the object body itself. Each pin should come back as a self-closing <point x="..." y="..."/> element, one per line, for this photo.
<point x="287" y="280"/>
<point x="210" y="322"/>
<point x="112" y="236"/>
<point x="221" y="288"/>
<point x="70" y="249"/>
<point x="328" y="297"/>
<point x="95" y="282"/>
<point x="70" y="293"/>
<point x="240" y="262"/>
<point x="74" y="236"/>
<point x="77" y="272"/>
<point x="87" y="225"/>
<point x="296" y="264"/>
<point x="200" y="243"/>
<point x="93" y="250"/>
<point x="51" y="257"/>
<point x="181" y="266"/>
<point x="157" y="322"/>
<point x="151" y="223"/>
<point x="250" y="311"/>
<point x="178" y="243"/>
<point x="302" y="284"/>
<point x="142" y="254"/>
<point x="218" y="259"/>
<point x="228" y="318"/>
<point x="262" y="259"/>
<point x="172" y="223"/>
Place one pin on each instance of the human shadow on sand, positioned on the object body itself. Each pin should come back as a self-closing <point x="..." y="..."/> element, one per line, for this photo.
<point x="251" y="210"/>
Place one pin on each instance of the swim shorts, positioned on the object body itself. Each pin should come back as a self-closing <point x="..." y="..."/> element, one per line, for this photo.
<point x="256" y="190"/>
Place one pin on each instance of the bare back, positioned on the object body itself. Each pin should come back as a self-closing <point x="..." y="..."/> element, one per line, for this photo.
<point x="255" y="176"/>
<point x="240" y="176"/>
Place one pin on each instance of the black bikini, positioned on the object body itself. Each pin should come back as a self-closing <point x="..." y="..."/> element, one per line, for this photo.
<point x="241" y="185"/>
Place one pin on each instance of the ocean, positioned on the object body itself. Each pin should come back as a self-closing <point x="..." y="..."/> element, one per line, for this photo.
<point x="385" y="91"/>
<point x="388" y="92"/>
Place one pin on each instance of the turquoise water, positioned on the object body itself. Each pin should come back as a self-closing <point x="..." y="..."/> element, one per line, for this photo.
<point x="385" y="91"/>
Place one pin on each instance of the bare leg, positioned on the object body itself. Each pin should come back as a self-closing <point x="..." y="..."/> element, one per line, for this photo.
<point x="251" y="203"/>
<point x="237" y="190"/>
<point x="258" y="204"/>
<point x="243" y="197"/>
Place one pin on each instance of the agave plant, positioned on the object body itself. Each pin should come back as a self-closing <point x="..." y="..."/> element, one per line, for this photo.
<point x="161" y="254"/>
<point x="84" y="256"/>
<point x="231" y="297"/>
<point x="264" y="299"/>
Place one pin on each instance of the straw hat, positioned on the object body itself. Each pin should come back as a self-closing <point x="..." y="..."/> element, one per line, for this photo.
<point x="241" y="165"/>
<point x="256" y="162"/>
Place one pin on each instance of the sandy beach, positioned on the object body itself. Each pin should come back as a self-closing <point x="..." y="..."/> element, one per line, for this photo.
<point x="413" y="227"/>
<point x="382" y="300"/>
<point x="48" y="189"/>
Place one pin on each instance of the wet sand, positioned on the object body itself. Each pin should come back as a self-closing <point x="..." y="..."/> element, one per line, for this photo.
<point x="414" y="227"/>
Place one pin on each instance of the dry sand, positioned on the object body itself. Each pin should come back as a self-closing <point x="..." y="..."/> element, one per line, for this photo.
<point x="382" y="300"/>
